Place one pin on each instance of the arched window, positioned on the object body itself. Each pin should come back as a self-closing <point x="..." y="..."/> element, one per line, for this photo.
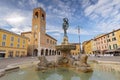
<point x="36" y="15"/>
<point x="43" y="17"/>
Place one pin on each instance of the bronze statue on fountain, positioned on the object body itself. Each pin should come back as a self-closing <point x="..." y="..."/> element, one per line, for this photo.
<point x="65" y="47"/>
<point x="66" y="58"/>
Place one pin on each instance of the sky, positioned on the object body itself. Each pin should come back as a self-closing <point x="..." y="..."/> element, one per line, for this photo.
<point x="94" y="17"/>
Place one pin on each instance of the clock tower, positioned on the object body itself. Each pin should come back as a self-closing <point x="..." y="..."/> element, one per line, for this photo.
<point x="38" y="28"/>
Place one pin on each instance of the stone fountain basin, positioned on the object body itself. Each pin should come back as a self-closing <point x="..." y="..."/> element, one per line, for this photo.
<point x="66" y="47"/>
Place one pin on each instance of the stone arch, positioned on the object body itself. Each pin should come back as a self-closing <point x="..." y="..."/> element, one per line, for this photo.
<point x="58" y="52"/>
<point x="46" y="52"/>
<point x="55" y="52"/>
<point x="36" y="15"/>
<point x="42" y="52"/>
<point x="35" y="53"/>
<point x="43" y="17"/>
<point x="50" y="52"/>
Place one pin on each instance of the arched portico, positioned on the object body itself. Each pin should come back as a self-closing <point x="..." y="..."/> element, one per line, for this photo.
<point x="35" y="53"/>
<point x="46" y="52"/>
<point x="50" y="52"/>
<point x="42" y="52"/>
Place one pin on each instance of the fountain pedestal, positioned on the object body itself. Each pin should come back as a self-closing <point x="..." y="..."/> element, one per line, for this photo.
<point x="65" y="49"/>
<point x="65" y="40"/>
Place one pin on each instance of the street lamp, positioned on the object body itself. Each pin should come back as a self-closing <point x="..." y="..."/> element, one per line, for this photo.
<point x="79" y="37"/>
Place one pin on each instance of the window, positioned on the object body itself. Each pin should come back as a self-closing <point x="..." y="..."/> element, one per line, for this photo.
<point x="108" y="40"/>
<point x="104" y="41"/>
<point x="47" y="40"/>
<point x="114" y="39"/>
<point x="11" y="44"/>
<point x="53" y="42"/>
<point x="12" y="38"/>
<point x="36" y="15"/>
<point x="18" y="45"/>
<point x="109" y="46"/>
<point x="4" y="37"/>
<point x="105" y="46"/>
<point x="108" y="35"/>
<point x="3" y="43"/>
<point x="18" y="40"/>
<point x="102" y="47"/>
<point x="114" y="46"/>
<point x="101" y="42"/>
<point x="113" y="34"/>
<point x="23" y="41"/>
<point x="43" y="17"/>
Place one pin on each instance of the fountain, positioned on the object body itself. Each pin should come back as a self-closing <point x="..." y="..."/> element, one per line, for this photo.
<point x="66" y="60"/>
<point x="65" y="48"/>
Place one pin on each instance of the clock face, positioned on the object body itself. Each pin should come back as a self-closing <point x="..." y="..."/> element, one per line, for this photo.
<point x="35" y="26"/>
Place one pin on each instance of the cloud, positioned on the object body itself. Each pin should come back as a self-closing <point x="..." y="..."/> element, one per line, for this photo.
<point x="14" y="18"/>
<point x="105" y="15"/>
<point x="97" y="8"/>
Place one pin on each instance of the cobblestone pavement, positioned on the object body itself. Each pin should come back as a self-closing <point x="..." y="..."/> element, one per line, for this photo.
<point x="105" y="58"/>
<point x="8" y="61"/>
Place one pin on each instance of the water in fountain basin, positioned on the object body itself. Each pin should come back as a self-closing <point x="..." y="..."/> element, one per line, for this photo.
<point x="60" y="74"/>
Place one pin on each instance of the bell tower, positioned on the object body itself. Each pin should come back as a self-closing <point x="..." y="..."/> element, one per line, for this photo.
<point x="38" y="27"/>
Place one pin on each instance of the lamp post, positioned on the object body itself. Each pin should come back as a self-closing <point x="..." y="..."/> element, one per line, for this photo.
<point x="79" y="37"/>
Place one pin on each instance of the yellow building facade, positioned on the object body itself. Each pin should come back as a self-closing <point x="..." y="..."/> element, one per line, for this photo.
<point x="77" y="51"/>
<point x="118" y="37"/>
<point x="12" y="45"/>
<point x="87" y="47"/>
<point x="113" y="39"/>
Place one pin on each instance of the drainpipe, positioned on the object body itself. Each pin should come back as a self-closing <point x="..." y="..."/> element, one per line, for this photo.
<point x="39" y="49"/>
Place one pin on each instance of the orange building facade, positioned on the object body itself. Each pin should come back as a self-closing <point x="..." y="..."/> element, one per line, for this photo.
<point x="40" y="43"/>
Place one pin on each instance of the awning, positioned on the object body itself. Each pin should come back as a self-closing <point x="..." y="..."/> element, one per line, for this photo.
<point x="2" y="52"/>
<point x="97" y="51"/>
<point x="113" y="50"/>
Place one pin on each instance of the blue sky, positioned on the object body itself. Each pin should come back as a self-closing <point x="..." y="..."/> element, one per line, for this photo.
<point x="93" y="16"/>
